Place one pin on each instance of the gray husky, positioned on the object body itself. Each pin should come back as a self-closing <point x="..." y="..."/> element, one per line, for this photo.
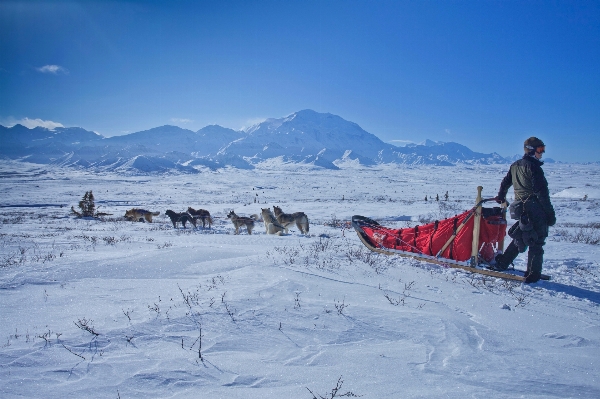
<point x="286" y="219"/>
<point x="272" y="226"/>
<point x="239" y="221"/>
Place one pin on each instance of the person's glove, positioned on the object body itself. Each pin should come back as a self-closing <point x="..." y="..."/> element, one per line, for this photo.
<point x="499" y="199"/>
<point x="551" y="219"/>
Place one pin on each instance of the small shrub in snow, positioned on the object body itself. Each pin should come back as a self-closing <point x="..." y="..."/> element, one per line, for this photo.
<point x="583" y="234"/>
<point x="13" y="220"/>
<point x="288" y="255"/>
<point x="335" y="222"/>
<point x="320" y="246"/>
<point x="379" y="263"/>
<point x="502" y="287"/>
<point x="583" y="271"/>
<point x="37" y="255"/>
<point x="11" y="259"/>
<point x="297" y="301"/>
<point x="402" y="298"/>
<point x="394" y="301"/>
<point x="93" y="240"/>
<point x="445" y="210"/>
<point x="108" y="240"/>
<point x="73" y="352"/>
<point x="340" y="306"/>
<point x="335" y="392"/>
<point x="230" y="311"/>
<point x="86" y="325"/>
<point x="522" y="298"/>
<point x="128" y="314"/>
<point x="160" y="227"/>
<point x="448" y="209"/>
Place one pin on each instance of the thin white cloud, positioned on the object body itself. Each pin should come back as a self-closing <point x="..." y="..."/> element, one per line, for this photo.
<point x="181" y="120"/>
<point x="31" y="123"/>
<point x="53" y="69"/>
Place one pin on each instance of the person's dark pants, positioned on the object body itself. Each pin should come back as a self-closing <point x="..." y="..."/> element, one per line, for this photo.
<point x="535" y="256"/>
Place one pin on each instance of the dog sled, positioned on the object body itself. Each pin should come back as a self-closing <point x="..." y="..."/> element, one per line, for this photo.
<point x="469" y="241"/>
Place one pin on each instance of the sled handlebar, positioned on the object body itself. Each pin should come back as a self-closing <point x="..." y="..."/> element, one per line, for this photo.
<point x="488" y="200"/>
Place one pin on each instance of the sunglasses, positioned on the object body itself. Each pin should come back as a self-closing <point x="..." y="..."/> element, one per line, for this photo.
<point x="541" y="149"/>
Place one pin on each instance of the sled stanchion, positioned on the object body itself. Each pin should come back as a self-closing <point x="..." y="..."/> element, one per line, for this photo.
<point x="476" y="229"/>
<point x="504" y="209"/>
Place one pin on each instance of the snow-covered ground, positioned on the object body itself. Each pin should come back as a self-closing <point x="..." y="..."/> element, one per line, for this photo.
<point x="116" y="309"/>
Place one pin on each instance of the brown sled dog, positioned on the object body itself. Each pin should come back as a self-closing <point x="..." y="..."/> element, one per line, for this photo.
<point x="272" y="226"/>
<point x="135" y="215"/>
<point x="286" y="219"/>
<point x="182" y="217"/>
<point x="239" y="221"/>
<point x="201" y="214"/>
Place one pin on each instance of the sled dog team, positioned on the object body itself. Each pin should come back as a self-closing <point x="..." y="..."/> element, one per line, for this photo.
<point x="275" y="223"/>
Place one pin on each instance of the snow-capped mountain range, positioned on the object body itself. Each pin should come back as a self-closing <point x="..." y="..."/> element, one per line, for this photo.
<point x="306" y="137"/>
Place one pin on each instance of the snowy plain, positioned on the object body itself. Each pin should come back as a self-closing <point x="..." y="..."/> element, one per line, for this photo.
<point x="115" y="309"/>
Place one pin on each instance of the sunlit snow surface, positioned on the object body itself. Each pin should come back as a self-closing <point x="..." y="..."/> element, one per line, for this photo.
<point x="279" y="316"/>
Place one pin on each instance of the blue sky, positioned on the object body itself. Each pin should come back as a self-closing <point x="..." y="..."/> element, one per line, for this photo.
<point x="486" y="74"/>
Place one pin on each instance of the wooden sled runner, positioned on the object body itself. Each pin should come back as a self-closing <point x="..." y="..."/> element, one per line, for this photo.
<point x="468" y="241"/>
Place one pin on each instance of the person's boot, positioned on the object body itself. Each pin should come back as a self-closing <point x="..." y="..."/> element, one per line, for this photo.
<point x="505" y="259"/>
<point x="534" y="267"/>
<point x="533" y="277"/>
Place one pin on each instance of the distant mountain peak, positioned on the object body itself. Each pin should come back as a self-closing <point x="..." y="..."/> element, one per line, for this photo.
<point x="306" y="137"/>
<point x="431" y="143"/>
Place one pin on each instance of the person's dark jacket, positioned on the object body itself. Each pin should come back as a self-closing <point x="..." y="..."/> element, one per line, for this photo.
<point x="529" y="182"/>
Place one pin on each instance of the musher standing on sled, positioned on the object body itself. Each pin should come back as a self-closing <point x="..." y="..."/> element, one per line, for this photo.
<point x="531" y="206"/>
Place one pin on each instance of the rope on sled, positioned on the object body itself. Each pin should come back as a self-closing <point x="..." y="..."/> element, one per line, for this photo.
<point x="399" y="240"/>
<point x="435" y="227"/>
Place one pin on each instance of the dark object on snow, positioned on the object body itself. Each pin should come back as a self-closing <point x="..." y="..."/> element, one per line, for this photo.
<point x="182" y="217"/>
